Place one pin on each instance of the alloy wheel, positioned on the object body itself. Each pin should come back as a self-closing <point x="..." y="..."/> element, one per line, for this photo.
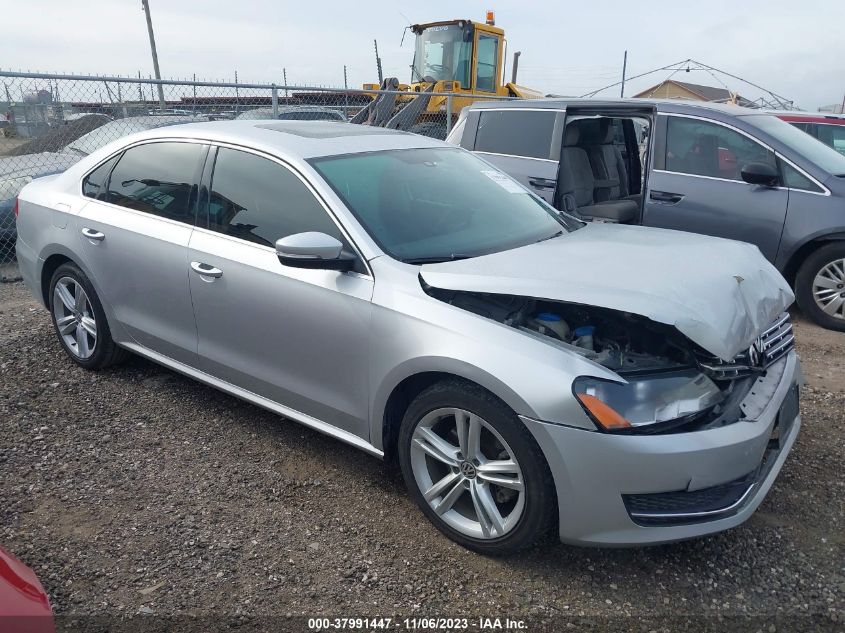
<point x="467" y="473"/>
<point x="74" y="317"/>
<point x="829" y="289"/>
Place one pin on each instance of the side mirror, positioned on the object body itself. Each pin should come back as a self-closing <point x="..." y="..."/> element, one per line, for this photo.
<point x="313" y="250"/>
<point x="760" y="174"/>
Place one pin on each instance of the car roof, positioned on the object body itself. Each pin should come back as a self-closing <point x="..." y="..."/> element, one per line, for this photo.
<point x="297" y="139"/>
<point x="664" y="105"/>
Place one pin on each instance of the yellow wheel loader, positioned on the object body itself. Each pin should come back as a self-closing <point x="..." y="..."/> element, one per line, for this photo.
<point x="459" y="57"/>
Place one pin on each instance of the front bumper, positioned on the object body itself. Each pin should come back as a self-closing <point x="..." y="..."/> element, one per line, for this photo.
<point x="596" y="473"/>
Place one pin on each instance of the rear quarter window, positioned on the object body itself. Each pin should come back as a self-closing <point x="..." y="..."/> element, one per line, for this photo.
<point x="525" y="133"/>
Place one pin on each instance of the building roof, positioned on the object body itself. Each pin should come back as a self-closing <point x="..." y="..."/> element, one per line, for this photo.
<point x="707" y="93"/>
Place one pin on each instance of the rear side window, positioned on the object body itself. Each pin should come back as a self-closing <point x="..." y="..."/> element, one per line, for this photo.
<point x="258" y="200"/>
<point x="702" y="148"/>
<point x="516" y="132"/>
<point x="94" y="184"/>
<point x="158" y="178"/>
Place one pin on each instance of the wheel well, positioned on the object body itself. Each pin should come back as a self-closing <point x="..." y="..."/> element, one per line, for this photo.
<point x="50" y="266"/>
<point x="798" y="257"/>
<point x="400" y="398"/>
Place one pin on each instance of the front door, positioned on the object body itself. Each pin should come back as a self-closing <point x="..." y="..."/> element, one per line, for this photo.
<point x="295" y="336"/>
<point x="134" y="237"/>
<point x="696" y="184"/>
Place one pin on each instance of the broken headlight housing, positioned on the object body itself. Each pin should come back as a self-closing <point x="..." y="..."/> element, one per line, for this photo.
<point x="647" y="404"/>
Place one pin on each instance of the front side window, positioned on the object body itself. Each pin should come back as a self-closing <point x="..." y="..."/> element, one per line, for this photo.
<point x="158" y="178"/>
<point x="702" y="148"/>
<point x="794" y="179"/>
<point x="443" y="52"/>
<point x="516" y="132"/>
<point x="258" y="200"/>
<point x="436" y="204"/>
<point x="485" y="68"/>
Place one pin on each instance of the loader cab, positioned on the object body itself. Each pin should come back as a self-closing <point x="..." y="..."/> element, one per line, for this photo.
<point x="462" y="51"/>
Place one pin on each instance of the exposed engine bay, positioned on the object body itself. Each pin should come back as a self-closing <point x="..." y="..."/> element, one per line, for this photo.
<point x="625" y="343"/>
<point x="668" y="390"/>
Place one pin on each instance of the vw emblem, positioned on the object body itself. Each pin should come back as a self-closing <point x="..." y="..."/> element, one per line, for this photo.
<point x="468" y="470"/>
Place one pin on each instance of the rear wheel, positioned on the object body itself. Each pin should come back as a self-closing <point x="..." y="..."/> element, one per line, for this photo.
<point x="79" y="320"/>
<point x="475" y="470"/>
<point x="820" y="286"/>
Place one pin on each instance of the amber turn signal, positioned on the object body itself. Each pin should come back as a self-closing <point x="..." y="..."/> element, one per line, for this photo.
<point x="609" y="419"/>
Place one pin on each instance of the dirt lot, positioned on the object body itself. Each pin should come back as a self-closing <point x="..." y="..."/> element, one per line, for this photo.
<point x="138" y="491"/>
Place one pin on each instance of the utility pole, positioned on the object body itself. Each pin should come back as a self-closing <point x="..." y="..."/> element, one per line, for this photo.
<point x="378" y="64"/>
<point x="285" y="79"/>
<point x="624" y="69"/>
<point x="146" y="5"/>
<point x="345" y="94"/>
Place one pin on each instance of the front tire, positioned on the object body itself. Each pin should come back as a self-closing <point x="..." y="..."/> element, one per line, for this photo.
<point x="475" y="470"/>
<point x="820" y="286"/>
<point x="79" y="320"/>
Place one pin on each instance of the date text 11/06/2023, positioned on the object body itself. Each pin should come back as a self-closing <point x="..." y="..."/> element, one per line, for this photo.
<point x="417" y="624"/>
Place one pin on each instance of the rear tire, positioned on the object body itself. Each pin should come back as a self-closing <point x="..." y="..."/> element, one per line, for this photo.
<point x="79" y="320"/>
<point x="820" y="286"/>
<point x="456" y="442"/>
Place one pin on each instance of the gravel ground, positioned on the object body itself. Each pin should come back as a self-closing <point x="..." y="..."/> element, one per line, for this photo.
<point x="137" y="491"/>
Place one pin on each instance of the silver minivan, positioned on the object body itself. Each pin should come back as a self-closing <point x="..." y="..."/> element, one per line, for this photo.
<point x="714" y="169"/>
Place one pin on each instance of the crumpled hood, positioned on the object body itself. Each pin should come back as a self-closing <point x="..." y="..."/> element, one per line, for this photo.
<point x="719" y="293"/>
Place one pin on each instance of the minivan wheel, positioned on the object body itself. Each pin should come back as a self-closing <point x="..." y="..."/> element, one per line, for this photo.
<point x="820" y="286"/>
<point x="79" y="320"/>
<point x="475" y="470"/>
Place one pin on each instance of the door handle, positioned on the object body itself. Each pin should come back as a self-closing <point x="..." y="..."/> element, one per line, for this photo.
<point x="542" y="183"/>
<point x="206" y="270"/>
<point x="666" y="196"/>
<point x="93" y="234"/>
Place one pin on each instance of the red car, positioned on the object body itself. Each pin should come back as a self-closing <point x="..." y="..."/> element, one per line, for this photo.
<point x="828" y="128"/>
<point x="24" y="606"/>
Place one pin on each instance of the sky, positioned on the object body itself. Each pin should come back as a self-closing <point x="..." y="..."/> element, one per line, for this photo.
<point x="794" y="49"/>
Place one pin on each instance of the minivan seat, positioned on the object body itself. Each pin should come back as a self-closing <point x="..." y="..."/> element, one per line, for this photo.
<point x="577" y="185"/>
<point x="607" y="162"/>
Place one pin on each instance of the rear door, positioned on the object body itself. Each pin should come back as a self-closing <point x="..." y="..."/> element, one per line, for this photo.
<point x="523" y="143"/>
<point x="696" y="185"/>
<point x="133" y="236"/>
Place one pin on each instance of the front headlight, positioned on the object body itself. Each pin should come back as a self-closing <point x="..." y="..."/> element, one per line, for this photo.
<point x="646" y="403"/>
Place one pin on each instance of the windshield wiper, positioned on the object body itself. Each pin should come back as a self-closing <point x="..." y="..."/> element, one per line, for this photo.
<point x="550" y="237"/>
<point x="416" y="261"/>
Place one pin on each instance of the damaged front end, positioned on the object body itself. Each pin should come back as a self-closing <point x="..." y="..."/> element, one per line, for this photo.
<point x="667" y="383"/>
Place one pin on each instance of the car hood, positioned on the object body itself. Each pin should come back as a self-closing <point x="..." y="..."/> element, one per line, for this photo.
<point x="34" y="165"/>
<point x="719" y="293"/>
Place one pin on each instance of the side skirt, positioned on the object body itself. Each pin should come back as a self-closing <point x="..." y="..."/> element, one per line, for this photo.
<point x="264" y="403"/>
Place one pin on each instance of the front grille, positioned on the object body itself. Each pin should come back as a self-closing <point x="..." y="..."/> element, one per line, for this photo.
<point x="676" y="508"/>
<point x="773" y="344"/>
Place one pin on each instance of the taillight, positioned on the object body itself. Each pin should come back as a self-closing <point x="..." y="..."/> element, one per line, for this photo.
<point x="17" y="207"/>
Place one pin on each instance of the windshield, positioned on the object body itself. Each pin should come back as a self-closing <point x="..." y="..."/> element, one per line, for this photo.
<point x="800" y="142"/>
<point x="442" y="54"/>
<point x="437" y="204"/>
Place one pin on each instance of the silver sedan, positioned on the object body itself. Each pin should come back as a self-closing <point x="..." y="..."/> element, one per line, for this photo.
<point x="528" y="372"/>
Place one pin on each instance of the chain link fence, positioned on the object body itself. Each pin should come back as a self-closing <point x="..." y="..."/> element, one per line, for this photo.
<point x="49" y="122"/>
